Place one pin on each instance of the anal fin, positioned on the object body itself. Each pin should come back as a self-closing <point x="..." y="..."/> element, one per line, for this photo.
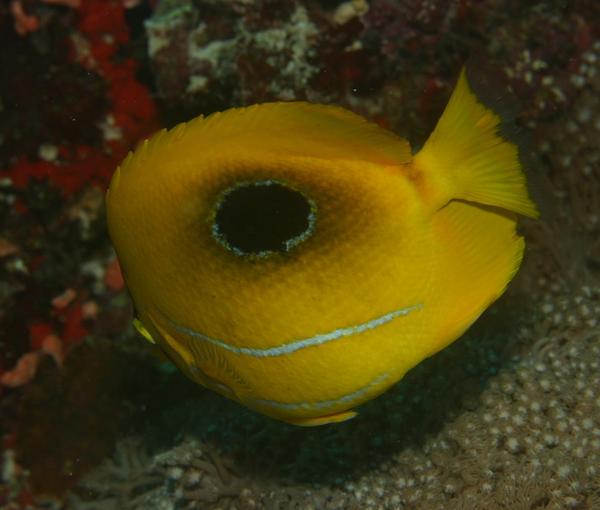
<point x="324" y="420"/>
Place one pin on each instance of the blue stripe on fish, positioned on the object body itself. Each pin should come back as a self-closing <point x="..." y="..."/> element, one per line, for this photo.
<point x="347" y="399"/>
<point x="296" y="345"/>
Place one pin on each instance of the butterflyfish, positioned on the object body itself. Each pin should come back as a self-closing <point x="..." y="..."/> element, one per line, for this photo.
<point x="299" y="259"/>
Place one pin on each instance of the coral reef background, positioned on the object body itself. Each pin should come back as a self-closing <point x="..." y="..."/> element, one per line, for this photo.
<point x="508" y="417"/>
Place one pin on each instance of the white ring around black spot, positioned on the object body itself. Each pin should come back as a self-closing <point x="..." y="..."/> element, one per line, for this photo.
<point x="286" y="244"/>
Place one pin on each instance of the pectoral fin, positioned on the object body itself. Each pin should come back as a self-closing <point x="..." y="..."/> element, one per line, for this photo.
<point x="141" y="329"/>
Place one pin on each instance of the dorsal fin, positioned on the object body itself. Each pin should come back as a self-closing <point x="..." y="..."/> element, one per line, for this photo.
<point x="305" y="129"/>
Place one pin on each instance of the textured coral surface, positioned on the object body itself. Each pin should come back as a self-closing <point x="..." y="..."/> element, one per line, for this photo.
<point x="508" y="417"/>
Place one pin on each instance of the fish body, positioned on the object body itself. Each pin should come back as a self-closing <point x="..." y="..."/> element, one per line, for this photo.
<point x="300" y="260"/>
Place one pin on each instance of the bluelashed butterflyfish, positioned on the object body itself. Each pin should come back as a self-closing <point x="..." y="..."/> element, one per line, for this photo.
<point x="299" y="259"/>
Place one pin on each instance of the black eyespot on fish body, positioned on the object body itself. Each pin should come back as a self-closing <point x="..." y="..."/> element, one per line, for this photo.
<point x="262" y="217"/>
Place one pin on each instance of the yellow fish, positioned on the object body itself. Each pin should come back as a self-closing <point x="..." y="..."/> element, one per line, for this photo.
<point x="300" y="260"/>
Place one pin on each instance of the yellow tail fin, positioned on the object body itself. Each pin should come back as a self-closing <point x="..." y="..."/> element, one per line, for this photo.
<point x="466" y="158"/>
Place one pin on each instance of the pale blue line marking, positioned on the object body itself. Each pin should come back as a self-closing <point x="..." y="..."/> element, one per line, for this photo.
<point x="296" y="345"/>
<point x="349" y="398"/>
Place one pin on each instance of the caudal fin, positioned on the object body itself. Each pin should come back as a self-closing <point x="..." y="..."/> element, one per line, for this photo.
<point x="466" y="158"/>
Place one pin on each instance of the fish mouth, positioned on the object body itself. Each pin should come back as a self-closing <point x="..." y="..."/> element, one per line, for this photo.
<point x="295" y="345"/>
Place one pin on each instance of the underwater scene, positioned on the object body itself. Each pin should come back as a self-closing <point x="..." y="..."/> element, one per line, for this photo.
<point x="299" y="254"/>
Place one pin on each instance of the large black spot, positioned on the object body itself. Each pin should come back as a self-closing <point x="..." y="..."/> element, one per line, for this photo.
<point x="262" y="217"/>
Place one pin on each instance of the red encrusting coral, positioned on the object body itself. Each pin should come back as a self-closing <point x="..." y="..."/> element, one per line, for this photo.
<point x="98" y="36"/>
<point x="37" y="332"/>
<point x="74" y="329"/>
<point x="83" y="166"/>
<point x="96" y="40"/>
<point x="89" y="86"/>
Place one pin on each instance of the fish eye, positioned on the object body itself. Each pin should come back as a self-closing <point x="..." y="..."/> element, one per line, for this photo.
<point x="262" y="217"/>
